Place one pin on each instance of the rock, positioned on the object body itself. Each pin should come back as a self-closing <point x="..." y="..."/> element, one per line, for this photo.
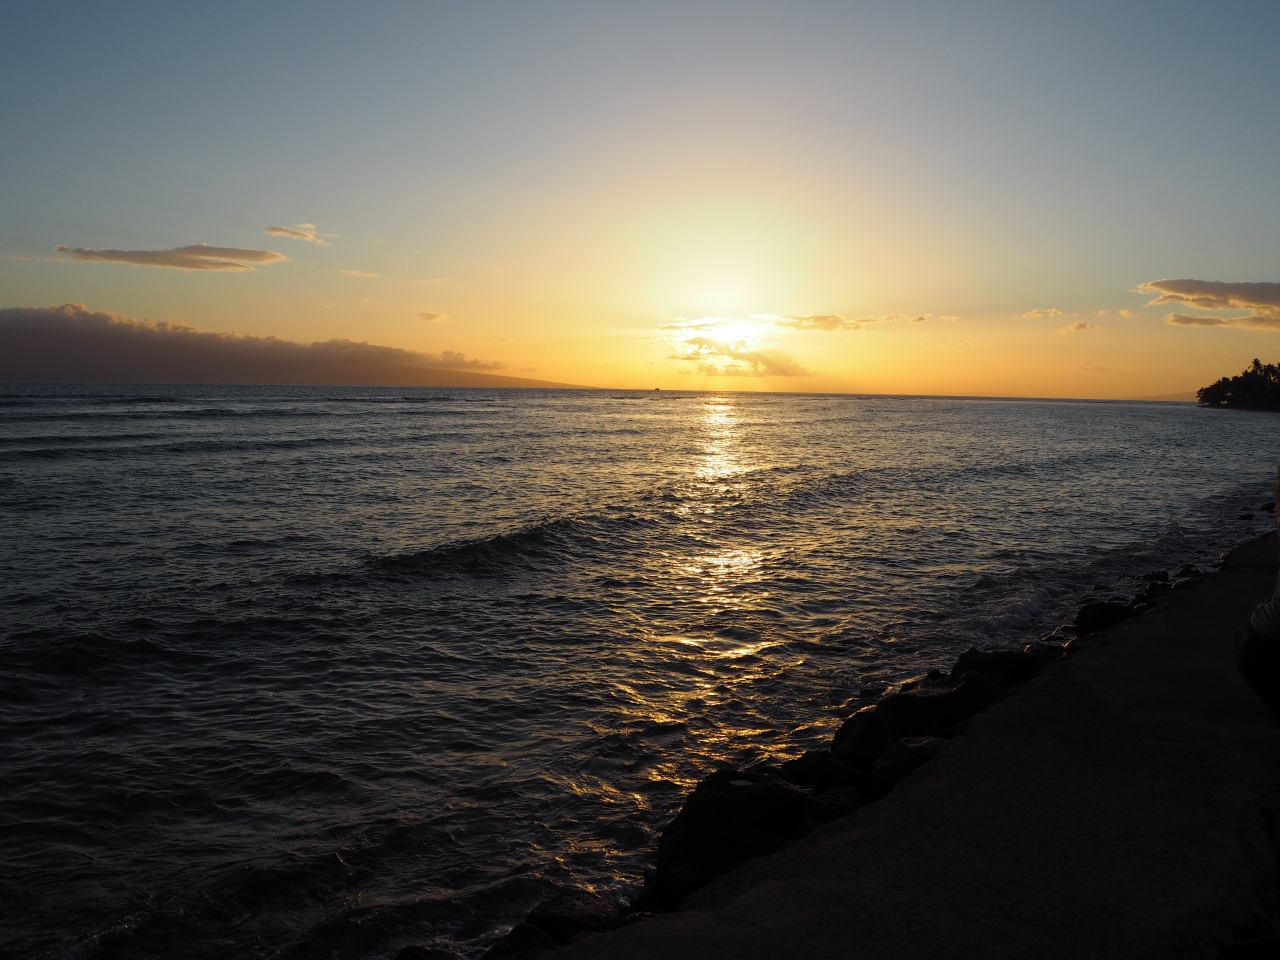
<point x="869" y="733"/>
<point x="1093" y="617"/>
<point x="524" y="939"/>
<point x="1268" y="507"/>
<point x="1045" y="653"/>
<point x="904" y="757"/>
<point x="418" y="952"/>
<point x="1154" y="591"/>
<point x="731" y="816"/>
<point x="863" y="738"/>
<point x="572" y="912"/>
<point x="821" y="770"/>
<point x="1187" y="570"/>
<point x="1005" y="668"/>
<point x="938" y="715"/>
<point x="1246" y="515"/>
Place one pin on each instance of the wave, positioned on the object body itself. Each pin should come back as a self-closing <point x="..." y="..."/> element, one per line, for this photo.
<point x="541" y="544"/>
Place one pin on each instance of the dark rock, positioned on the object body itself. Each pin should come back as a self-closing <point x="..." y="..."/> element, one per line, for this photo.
<point x="729" y="818"/>
<point x="1247" y="515"/>
<point x="869" y="733"/>
<point x="418" y="952"/>
<point x="1005" y="668"/>
<point x="1045" y="653"/>
<point x="524" y="940"/>
<point x="1154" y="591"/>
<point x="902" y="758"/>
<point x="938" y="715"/>
<point x="1155" y="576"/>
<point x="1268" y="507"/>
<point x="863" y="738"/>
<point x="822" y="771"/>
<point x="1187" y="570"/>
<point x="572" y="912"/>
<point x="1093" y="617"/>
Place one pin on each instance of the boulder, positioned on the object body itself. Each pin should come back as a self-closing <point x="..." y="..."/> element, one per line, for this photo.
<point x="863" y="738"/>
<point x="821" y="770"/>
<point x="572" y="912"/>
<point x="905" y="756"/>
<point x="1093" y="617"/>
<point x="1005" y="668"/>
<point x="416" y="951"/>
<point x="731" y="816"/>
<point x="1045" y="653"/>
<point x="868" y="734"/>
<point x="523" y="940"/>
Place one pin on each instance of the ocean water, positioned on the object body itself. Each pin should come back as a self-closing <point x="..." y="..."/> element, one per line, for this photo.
<point x="321" y="672"/>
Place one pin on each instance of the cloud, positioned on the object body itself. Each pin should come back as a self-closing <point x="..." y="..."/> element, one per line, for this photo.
<point x="432" y="280"/>
<point x="1049" y="312"/>
<point x="303" y="231"/>
<point x="199" y="256"/>
<point x="1127" y="313"/>
<point x="1262" y="300"/>
<point x="730" y="348"/>
<point x="357" y="273"/>
<point x="975" y="344"/>
<point x="429" y="317"/>
<point x="830" y="323"/>
<point x="1078" y="327"/>
<point x="71" y="343"/>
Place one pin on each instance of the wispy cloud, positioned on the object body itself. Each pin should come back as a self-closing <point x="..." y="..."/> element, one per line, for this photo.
<point x="72" y="343"/>
<point x="432" y="280"/>
<point x="357" y="273"/>
<point x="1127" y="313"/>
<point x="302" y="231"/>
<point x="831" y="323"/>
<point x="429" y="317"/>
<point x="1261" y="300"/>
<point x="1078" y="327"/>
<point x="198" y="256"/>
<point x="1047" y="312"/>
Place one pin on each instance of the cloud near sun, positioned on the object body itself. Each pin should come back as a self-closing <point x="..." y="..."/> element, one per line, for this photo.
<point x="739" y="348"/>
<point x="198" y="256"/>
<point x="1260" y="300"/>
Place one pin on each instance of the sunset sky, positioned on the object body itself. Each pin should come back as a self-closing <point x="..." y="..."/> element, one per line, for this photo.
<point x="955" y="198"/>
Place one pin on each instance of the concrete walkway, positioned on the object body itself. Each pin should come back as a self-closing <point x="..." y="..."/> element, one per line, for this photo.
<point x="1120" y="805"/>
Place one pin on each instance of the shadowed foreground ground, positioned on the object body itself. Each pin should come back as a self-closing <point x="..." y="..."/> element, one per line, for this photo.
<point x="1120" y="805"/>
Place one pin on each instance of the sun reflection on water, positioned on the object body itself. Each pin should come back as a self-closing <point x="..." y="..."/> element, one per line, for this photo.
<point x="720" y="440"/>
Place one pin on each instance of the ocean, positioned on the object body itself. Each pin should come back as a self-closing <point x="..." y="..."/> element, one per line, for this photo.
<point x="322" y="672"/>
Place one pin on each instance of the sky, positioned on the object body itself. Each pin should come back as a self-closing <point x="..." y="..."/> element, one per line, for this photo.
<point x="906" y="197"/>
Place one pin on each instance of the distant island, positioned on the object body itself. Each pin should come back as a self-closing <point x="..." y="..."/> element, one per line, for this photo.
<point x="1257" y="388"/>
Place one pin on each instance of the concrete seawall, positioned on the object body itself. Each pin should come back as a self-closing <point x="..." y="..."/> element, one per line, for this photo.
<point x="1126" y="803"/>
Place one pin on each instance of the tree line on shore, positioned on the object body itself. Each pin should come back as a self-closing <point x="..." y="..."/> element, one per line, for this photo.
<point x="1257" y="388"/>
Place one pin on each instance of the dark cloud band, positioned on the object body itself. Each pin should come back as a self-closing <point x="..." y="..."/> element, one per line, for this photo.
<point x="73" y="344"/>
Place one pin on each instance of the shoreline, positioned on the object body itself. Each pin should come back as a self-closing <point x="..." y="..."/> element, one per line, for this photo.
<point x="905" y="839"/>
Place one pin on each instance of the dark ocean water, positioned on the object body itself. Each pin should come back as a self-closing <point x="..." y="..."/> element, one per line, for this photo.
<point x="320" y="672"/>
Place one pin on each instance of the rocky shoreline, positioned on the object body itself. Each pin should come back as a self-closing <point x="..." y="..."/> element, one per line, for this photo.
<point x="736" y="815"/>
